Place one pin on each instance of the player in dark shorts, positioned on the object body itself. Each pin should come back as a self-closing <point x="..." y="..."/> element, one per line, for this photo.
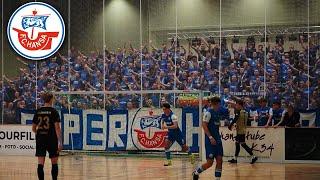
<point x="46" y="125"/>
<point x="241" y="117"/>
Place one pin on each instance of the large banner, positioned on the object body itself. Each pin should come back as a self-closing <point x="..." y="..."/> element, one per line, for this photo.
<point x="267" y="143"/>
<point x="17" y="140"/>
<point x="117" y="130"/>
<point x="140" y="129"/>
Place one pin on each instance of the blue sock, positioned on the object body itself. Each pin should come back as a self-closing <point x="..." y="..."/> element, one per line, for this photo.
<point x="198" y="170"/>
<point x="218" y="172"/>
<point x="168" y="154"/>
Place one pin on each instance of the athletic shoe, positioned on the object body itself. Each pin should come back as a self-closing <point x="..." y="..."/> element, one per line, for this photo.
<point x="254" y="160"/>
<point x="195" y="176"/>
<point x="168" y="163"/>
<point x="233" y="161"/>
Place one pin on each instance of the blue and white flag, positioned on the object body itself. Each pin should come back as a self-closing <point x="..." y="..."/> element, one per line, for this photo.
<point x="308" y="119"/>
<point x="150" y="121"/>
<point x="34" y="21"/>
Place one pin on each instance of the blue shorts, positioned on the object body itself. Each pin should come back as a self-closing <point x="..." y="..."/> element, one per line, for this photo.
<point x="213" y="151"/>
<point x="176" y="135"/>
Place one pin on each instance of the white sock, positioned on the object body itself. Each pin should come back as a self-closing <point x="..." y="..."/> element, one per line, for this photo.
<point x="198" y="170"/>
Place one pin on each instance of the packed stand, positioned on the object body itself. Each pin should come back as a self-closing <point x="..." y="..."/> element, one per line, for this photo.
<point x="195" y="64"/>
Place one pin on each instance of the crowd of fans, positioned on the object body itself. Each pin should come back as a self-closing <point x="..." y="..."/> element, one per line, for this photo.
<point x="195" y="66"/>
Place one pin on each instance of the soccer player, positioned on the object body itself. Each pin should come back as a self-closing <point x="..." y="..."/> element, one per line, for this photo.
<point x="170" y="122"/>
<point x="46" y="125"/>
<point x="241" y="118"/>
<point x="213" y="143"/>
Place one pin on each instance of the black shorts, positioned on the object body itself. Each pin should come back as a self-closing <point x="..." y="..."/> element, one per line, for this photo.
<point x="44" y="144"/>
<point x="241" y="138"/>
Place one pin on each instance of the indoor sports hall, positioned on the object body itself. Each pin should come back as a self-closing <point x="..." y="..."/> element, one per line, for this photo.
<point x="160" y="89"/>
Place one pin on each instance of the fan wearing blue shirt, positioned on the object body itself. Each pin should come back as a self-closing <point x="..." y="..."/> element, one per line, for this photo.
<point x="278" y="114"/>
<point x="264" y="113"/>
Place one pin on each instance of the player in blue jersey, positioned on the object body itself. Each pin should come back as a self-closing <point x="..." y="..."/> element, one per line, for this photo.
<point x="170" y="122"/>
<point x="264" y="113"/>
<point x="213" y="143"/>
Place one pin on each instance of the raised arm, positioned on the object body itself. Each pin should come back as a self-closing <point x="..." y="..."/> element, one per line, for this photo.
<point x="205" y="42"/>
<point x="232" y="47"/>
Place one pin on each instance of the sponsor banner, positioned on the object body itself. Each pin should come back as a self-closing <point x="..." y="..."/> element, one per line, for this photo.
<point x="17" y="140"/>
<point x="267" y="143"/>
<point x="140" y="129"/>
<point x="302" y="143"/>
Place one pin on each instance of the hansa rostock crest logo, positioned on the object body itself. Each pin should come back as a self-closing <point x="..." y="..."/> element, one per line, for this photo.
<point x="148" y="132"/>
<point x="36" y="30"/>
